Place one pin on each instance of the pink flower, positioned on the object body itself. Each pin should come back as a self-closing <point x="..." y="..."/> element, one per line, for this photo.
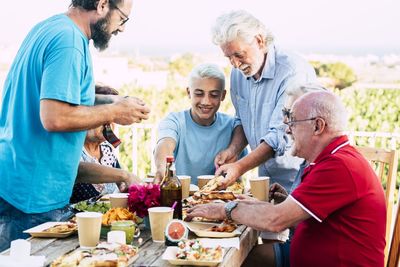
<point x="142" y="197"/>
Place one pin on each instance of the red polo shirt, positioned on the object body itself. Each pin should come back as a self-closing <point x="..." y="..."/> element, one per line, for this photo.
<point x="343" y="195"/>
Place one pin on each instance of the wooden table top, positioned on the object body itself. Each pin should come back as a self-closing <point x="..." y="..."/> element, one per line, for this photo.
<point x="149" y="252"/>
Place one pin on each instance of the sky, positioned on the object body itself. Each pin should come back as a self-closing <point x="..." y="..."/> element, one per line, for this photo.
<point x="172" y="26"/>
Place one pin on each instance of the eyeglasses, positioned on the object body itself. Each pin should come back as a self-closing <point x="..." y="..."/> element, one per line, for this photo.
<point x="290" y="122"/>
<point x="287" y="113"/>
<point x="125" y="17"/>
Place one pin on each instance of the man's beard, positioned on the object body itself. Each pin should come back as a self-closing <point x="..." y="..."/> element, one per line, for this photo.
<point x="100" y="36"/>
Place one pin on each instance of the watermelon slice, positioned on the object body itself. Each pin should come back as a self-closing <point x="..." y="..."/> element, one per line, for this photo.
<point x="176" y="230"/>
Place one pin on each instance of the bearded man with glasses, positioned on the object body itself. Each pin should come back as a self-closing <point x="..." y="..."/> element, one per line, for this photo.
<point x="48" y="103"/>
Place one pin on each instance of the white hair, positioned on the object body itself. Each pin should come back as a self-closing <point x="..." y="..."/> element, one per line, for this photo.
<point x="239" y="24"/>
<point x="207" y="71"/>
<point x="297" y="90"/>
<point x="328" y="106"/>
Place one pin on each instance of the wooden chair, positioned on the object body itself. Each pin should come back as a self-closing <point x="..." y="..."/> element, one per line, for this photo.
<point x="379" y="158"/>
<point x="394" y="252"/>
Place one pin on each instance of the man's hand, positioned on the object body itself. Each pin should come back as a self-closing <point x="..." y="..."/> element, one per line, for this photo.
<point x="129" y="179"/>
<point x="159" y="176"/>
<point x="277" y="193"/>
<point x="232" y="172"/>
<point x="214" y="211"/>
<point x="224" y="157"/>
<point x="130" y="110"/>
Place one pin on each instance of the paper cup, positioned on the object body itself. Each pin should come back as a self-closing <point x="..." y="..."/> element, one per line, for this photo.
<point x="259" y="187"/>
<point x="185" y="182"/>
<point x="89" y="225"/>
<point x="159" y="218"/>
<point x="119" y="200"/>
<point x="202" y="180"/>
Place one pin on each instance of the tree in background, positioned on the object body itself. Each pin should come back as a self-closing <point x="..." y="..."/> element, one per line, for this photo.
<point x="340" y="75"/>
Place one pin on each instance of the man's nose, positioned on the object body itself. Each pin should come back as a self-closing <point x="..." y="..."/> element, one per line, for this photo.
<point x="205" y="100"/>
<point x="235" y="62"/>
<point x="288" y="130"/>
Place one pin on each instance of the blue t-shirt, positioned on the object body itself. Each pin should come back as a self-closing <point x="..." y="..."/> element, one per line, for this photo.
<point x="38" y="168"/>
<point x="196" y="145"/>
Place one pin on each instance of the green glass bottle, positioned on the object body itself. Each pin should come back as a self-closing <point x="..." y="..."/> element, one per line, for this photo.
<point x="171" y="189"/>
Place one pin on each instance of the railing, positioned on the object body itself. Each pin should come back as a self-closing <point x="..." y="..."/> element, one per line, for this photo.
<point x="390" y="141"/>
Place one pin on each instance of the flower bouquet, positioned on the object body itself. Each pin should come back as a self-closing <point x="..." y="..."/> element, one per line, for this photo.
<point x="142" y="197"/>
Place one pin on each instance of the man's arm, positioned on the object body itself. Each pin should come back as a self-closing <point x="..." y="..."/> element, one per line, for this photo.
<point x="96" y="174"/>
<point x="165" y="147"/>
<point x="259" y="215"/>
<point x="61" y="116"/>
<point x="231" y="154"/>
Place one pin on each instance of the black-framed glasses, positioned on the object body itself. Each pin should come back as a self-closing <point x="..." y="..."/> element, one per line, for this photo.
<point x="290" y="122"/>
<point x="125" y="17"/>
<point x="287" y="113"/>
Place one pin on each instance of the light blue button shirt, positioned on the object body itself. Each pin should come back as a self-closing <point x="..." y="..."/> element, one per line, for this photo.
<point x="259" y="106"/>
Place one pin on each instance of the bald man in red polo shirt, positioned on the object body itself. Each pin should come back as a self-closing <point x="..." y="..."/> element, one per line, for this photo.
<point x="339" y="207"/>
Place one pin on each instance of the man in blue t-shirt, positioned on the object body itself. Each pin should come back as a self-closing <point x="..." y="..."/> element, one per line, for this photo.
<point x="47" y="106"/>
<point x="197" y="135"/>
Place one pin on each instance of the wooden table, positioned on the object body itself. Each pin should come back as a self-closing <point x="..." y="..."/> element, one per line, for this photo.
<point x="149" y="252"/>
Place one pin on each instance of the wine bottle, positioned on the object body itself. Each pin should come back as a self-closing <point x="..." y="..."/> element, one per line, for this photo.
<point x="171" y="189"/>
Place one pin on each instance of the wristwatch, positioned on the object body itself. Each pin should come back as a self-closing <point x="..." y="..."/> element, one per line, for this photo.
<point x="229" y="207"/>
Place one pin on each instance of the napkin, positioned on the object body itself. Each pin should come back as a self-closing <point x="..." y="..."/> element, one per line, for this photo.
<point x="281" y="236"/>
<point x="223" y="242"/>
<point x="31" y="261"/>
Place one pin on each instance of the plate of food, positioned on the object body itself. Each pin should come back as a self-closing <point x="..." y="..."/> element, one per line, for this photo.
<point x="219" y="230"/>
<point x="53" y="229"/>
<point x="105" y="254"/>
<point x="191" y="252"/>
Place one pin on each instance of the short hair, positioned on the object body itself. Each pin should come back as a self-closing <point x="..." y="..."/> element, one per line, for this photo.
<point x="105" y="90"/>
<point x="239" y="24"/>
<point x="207" y="71"/>
<point x="328" y="106"/>
<point x="90" y="4"/>
<point x="298" y="90"/>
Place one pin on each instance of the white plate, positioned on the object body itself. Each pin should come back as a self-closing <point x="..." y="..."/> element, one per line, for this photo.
<point x="37" y="231"/>
<point x="170" y="256"/>
<point x="199" y="228"/>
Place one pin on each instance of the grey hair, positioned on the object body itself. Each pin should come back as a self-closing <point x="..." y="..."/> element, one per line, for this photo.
<point x="239" y="24"/>
<point x="328" y="106"/>
<point x="297" y="90"/>
<point x="207" y="71"/>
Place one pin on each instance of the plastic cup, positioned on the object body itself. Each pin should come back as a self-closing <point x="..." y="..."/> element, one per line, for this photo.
<point x="119" y="200"/>
<point x="159" y="218"/>
<point x="259" y="187"/>
<point x="185" y="182"/>
<point x="202" y="180"/>
<point x="89" y="225"/>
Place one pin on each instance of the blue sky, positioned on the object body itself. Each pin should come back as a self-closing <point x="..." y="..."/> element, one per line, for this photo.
<point x="341" y="26"/>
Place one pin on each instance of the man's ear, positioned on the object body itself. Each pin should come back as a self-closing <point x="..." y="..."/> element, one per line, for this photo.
<point x="103" y="7"/>
<point x="223" y="95"/>
<point x="188" y="91"/>
<point x="260" y="41"/>
<point x="319" y="126"/>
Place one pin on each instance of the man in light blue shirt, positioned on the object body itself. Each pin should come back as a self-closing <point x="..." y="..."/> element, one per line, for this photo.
<point x="197" y="135"/>
<point x="262" y="72"/>
<point x="47" y="106"/>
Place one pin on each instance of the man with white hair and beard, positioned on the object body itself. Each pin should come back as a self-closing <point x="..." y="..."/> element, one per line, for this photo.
<point x="47" y="106"/>
<point x="339" y="207"/>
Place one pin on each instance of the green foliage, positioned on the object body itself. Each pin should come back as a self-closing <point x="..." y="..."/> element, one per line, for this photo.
<point x="342" y="76"/>
<point x="373" y="110"/>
